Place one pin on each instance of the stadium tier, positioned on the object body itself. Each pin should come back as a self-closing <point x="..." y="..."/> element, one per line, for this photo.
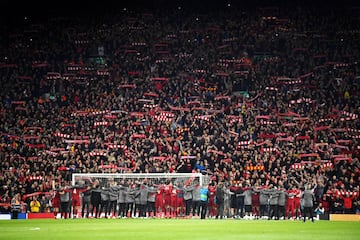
<point x="260" y="104"/>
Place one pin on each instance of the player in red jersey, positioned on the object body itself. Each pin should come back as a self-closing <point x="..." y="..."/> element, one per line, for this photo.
<point x="55" y="200"/>
<point x="297" y="207"/>
<point x="255" y="200"/>
<point x="159" y="203"/>
<point x="212" y="203"/>
<point x="290" y="203"/>
<point x="173" y="203"/>
<point x="75" y="201"/>
<point x="167" y="193"/>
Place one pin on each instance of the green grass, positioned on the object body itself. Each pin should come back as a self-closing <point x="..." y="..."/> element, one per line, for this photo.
<point x="173" y="229"/>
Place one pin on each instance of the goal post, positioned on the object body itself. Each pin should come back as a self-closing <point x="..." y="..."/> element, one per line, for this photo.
<point x="107" y="179"/>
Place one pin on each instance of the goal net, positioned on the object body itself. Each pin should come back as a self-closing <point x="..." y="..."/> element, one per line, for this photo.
<point x="109" y="179"/>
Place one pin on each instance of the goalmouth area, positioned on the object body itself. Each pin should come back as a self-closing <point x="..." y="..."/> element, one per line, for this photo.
<point x="174" y="229"/>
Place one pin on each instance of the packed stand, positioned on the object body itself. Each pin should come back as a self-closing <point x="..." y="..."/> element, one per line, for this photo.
<point x="259" y="99"/>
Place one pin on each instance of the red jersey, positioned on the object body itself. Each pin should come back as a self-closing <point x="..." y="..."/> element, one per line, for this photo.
<point x="212" y="190"/>
<point x="75" y="197"/>
<point x="255" y="198"/>
<point x="348" y="201"/>
<point x="297" y="194"/>
<point x="297" y="197"/>
<point x="56" y="200"/>
<point x="159" y="198"/>
<point x="167" y="192"/>
<point x="173" y="198"/>
<point x="325" y="203"/>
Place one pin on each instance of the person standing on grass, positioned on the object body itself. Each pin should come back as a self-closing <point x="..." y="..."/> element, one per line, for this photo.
<point x="130" y="195"/>
<point x="296" y="203"/>
<point x="248" y="201"/>
<point x="283" y="195"/>
<point x="166" y="194"/>
<point x="85" y="202"/>
<point x="290" y="206"/>
<point x="113" y="197"/>
<point x="55" y="199"/>
<point x="274" y="203"/>
<point x="151" y="209"/>
<point x="15" y="206"/>
<point x="143" y="197"/>
<point x="227" y="202"/>
<point x="212" y="204"/>
<point x="204" y="198"/>
<point x="105" y="200"/>
<point x="159" y="202"/>
<point x="121" y="199"/>
<point x="255" y="201"/>
<point x="240" y="201"/>
<point x="264" y="197"/>
<point x="65" y="202"/>
<point x="219" y="195"/>
<point x="196" y="199"/>
<point x="75" y="200"/>
<point x="188" y="198"/>
<point x="95" y="200"/>
<point x="308" y="202"/>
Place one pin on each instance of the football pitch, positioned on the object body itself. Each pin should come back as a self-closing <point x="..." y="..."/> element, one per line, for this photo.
<point x="174" y="229"/>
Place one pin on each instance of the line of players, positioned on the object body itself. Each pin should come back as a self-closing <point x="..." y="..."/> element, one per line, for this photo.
<point x="130" y="198"/>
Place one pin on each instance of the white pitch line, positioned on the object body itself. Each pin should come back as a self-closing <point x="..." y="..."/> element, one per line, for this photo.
<point x="35" y="229"/>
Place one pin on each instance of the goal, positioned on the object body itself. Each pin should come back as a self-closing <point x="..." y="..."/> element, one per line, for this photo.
<point x="108" y="179"/>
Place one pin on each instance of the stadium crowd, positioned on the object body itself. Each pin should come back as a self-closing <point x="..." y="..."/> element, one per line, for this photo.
<point x="263" y="98"/>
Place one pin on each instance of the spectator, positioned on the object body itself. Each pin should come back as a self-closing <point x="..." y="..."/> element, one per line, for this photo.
<point x="319" y="210"/>
<point x="45" y="204"/>
<point x="15" y="206"/>
<point x="337" y="205"/>
<point x="357" y="206"/>
<point x="35" y="205"/>
<point x="325" y="202"/>
<point x="348" y="202"/>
